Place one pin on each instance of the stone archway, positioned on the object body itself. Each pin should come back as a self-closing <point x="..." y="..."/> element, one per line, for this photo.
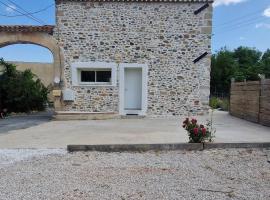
<point x="39" y="35"/>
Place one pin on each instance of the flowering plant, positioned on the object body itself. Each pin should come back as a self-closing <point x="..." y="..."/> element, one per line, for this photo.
<point x="198" y="132"/>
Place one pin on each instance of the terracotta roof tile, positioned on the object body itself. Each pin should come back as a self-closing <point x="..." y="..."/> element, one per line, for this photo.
<point x="183" y="1"/>
<point x="25" y="28"/>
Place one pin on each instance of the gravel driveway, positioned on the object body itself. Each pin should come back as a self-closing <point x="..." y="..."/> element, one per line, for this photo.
<point x="212" y="174"/>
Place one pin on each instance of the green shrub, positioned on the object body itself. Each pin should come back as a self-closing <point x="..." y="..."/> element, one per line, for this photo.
<point x="21" y="91"/>
<point x="219" y="103"/>
<point x="224" y="104"/>
<point x="214" y="102"/>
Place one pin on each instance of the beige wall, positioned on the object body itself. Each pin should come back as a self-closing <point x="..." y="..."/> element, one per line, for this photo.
<point x="44" y="71"/>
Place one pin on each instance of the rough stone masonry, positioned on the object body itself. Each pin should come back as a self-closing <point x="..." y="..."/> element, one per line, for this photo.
<point x="165" y="35"/>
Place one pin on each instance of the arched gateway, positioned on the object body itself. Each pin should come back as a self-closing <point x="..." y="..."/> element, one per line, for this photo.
<point x="39" y="35"/>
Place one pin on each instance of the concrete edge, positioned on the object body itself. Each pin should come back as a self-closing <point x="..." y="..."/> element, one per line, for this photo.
<point x="84" y="116"/>
<point x="236" y="145"/>
<point x="163" y="147"/>
<point x="135" y="147"/>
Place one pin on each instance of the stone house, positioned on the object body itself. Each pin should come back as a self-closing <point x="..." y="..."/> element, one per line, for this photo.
<point x="138" y="57"/>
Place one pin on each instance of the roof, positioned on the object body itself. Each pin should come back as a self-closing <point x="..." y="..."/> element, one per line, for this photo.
<point x="182" y="1"/>
<point x="26" y="29"/>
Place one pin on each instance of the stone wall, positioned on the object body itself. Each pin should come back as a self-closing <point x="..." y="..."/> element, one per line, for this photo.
<point x="165" y="36"/>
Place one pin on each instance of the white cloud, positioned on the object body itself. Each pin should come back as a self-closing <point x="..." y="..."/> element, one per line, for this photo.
<point x="262" y="25"/>
<point x="226" y="2"/>
<point x="242" y="38"/>
<point x="266" y="12"/>
<point x="10" y="8"/>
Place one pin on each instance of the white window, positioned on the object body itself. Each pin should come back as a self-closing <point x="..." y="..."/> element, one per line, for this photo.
<point x="93" y="74"/>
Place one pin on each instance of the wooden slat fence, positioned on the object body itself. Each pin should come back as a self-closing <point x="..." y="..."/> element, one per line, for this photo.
<point x="251" y="101"/>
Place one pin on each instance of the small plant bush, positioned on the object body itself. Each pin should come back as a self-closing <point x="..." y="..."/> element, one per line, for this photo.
<point x="224" y="104"/>
<point x="198" y="133"/>
<point x="21" y="91"/>
<point x="219" y="103"/>
<point x="213" y="102"/>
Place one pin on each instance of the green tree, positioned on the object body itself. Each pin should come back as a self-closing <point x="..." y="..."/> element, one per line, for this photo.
<point x="223" y="67"/>
<point x="243" y="63"/>
<point x="265" y="63"/>
<point x="21" y="91"/>
<point x="248" y="60"/>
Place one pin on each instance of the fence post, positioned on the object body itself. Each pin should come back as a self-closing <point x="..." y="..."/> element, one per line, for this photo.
<point x="232" y="82"/>
<point x="262" y="81"/>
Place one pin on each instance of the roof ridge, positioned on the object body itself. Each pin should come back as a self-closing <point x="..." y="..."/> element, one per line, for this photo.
<point x="176" y="1"/>
<point x="27" y="28"/>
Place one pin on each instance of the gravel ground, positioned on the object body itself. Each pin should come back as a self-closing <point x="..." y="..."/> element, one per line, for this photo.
<point x="211" y="174"/>
<point x="11" y="156"/>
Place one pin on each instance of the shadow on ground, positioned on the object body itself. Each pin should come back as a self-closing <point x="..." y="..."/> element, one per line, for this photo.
<point x="24" y="121"/>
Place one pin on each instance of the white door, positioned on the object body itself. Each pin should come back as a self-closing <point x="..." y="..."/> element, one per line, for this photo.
<point x="133" y="89"/>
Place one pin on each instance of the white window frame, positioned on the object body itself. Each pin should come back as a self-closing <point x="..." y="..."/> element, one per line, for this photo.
<point x="77" y="67"/>
<point x="94" y="82"/>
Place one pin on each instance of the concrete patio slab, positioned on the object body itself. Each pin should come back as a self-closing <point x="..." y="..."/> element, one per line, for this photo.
<point x="59" y="134"/>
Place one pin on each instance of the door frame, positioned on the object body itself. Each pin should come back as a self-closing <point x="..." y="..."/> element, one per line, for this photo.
<point x="144" y="68"/>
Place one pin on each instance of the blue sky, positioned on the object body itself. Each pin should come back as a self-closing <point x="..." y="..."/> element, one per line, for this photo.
<point x="235" y="23"/>
<point x="241" y="22"/>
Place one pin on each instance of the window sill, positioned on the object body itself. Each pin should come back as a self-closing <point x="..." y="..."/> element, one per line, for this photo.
<point x="93" y="85"/>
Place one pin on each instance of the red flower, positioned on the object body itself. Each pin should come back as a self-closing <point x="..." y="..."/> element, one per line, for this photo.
<point x="193" y="121"/>
<point x="201" y="126"/>
<point x="186" y="121"/>
<point x="204" y="131"/>
<point x="196" y="130"/>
